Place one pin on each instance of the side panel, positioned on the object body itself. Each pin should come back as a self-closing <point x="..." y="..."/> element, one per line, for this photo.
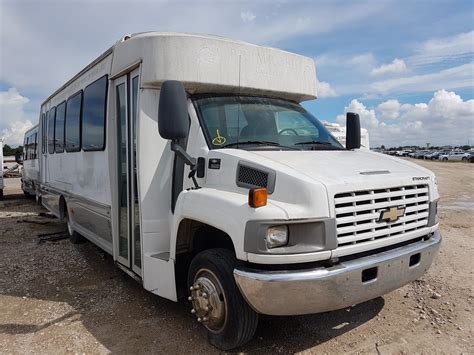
<point x="80" y="177"/>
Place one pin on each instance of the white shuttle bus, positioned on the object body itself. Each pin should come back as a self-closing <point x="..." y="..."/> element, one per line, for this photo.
<point x="2" y="167"/>
<point x="30" y="162"/>
<point x="190" y="160"/>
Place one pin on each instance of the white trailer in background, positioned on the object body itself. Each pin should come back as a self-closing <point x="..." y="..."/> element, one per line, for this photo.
<point x="2" y="167"/>
<point x="191" y="161"/>
<point x="30" y="171"/>
<point x="339" y="132"/>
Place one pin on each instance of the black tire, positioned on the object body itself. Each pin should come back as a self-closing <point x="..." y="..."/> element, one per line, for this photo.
<point x="1" y="194"/>
<point x="240" y="320"/>
<point x="445" y="159"/>
<point x="464" y="158"/>
<point x="74" y="237"/>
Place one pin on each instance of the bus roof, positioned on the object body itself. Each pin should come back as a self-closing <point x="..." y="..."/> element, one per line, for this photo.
<point x="210" y="64"/>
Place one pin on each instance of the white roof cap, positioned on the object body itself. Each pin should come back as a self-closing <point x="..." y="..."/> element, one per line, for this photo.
<point x="211" y="64"/>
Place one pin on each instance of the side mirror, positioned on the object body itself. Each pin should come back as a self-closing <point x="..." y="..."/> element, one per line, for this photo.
<point x="352" y="131"/>
<point x="173" y="123"/>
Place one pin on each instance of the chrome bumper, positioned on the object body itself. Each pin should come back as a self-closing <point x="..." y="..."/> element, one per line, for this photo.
<point x="327" y="289"/>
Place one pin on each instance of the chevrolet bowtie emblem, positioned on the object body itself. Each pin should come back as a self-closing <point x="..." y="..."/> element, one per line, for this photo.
<point x="391" y="214"/>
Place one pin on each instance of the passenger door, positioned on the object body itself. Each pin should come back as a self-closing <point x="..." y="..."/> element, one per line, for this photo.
<point x="128" y="243"/>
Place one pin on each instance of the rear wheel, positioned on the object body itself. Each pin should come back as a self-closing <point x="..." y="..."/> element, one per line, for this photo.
<point x="217" y="302"/>
<point x="464" y="158"/>
<point x="445" y="158"/>
<point x="74" y="237"/>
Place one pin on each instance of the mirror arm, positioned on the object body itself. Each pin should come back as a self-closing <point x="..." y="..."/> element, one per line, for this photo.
<point x="188" y="160"/>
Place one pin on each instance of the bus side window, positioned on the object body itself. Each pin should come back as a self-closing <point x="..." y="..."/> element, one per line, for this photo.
<point x="59" y="130"/>
<point x="35" y="146"/>
<point x="93" y="115"/>
<point x="73" y="123"/>
<point x="51" y="123"/>
<point x="43" y="132"/>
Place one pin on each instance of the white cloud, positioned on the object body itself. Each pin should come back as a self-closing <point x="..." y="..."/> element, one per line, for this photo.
<point x="445" y="119"/>
<point x="453" y="78"/>
<point x="324" y="89"/>
<point x="368" y="119"/>
<point x="247" y="16"/>
<point x="14" y="120"/>
<point x="446" y="49"/>
<point x="389" y="110"/>
<point x="397" y="66"/>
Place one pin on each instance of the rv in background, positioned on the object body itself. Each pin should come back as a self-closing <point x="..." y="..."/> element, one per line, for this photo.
<point x="190" y="159"/>
<point x="2" y="168"/>
<point x="339" y="132"/>
<point x="30" y="171"/>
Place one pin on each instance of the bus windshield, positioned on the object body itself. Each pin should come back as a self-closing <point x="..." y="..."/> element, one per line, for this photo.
<point x="252" y="123"/>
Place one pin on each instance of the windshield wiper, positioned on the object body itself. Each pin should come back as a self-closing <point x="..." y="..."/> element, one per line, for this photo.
<point x="273" y="144"/>
<point x="313" y="142"/>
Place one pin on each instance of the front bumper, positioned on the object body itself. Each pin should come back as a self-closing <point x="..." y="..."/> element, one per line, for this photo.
<point x="345" y="284"/>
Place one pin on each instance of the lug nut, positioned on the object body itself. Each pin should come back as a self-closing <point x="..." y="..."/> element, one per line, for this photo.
<point x="199" y="319"/>
<point x="205" y="319"/>
<point x="204" y="295"/>
<point x="193" y="311"/>
<point x="191" y="288"/>
<point x="190" y="298"/>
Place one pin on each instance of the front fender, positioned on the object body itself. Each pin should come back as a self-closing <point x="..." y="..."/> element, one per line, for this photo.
<point x="227" y="211"/>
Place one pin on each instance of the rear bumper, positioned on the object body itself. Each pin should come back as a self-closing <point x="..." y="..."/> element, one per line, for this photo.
<point x="326" y="289"/>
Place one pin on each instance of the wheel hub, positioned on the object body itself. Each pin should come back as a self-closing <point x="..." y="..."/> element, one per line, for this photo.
<point x="208" y="301"/>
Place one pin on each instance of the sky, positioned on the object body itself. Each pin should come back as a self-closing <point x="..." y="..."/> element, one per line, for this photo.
<point x="407" y="67"/>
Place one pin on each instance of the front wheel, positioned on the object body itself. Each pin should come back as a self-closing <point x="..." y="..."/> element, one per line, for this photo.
<point x="217" y="302"/>
<point x="74" y="237"/>
<point x="445" y="159"/>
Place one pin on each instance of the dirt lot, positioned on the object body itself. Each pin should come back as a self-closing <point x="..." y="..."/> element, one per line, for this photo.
<point x="56" y="297"/>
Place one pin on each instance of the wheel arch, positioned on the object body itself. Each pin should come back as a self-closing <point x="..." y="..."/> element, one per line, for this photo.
<point x="193" y="237"/>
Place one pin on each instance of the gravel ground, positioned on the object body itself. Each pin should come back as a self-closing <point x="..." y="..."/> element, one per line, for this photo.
<point x="56" y="297"/>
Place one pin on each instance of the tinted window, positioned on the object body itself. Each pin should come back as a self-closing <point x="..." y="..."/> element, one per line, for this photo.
<point x="51" y="120"/>
<point x="59" y="132"/>
<point x="35" y="146"/>
<point x="93" y="115"/>
<point x="73" y="123"/>
<point x="43" y="132"/>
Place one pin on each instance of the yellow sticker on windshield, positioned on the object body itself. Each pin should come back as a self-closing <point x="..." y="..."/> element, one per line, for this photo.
<point x="219" y="140"/>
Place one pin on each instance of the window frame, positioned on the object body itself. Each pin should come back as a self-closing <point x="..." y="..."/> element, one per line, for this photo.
<point x="104" y="131"/>
<point x="78" y="149"/>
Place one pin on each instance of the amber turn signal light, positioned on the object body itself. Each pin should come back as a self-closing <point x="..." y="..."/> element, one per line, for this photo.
<point x="257" y="197"/>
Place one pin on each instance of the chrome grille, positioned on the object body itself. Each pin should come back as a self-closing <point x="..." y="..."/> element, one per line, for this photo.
<point x="358" y="212"/>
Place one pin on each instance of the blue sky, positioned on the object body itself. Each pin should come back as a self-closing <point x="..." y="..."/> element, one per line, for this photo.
<point x="405" y="67"/>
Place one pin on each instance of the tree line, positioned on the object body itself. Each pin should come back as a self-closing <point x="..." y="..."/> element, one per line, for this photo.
<point x="9" y="151"/>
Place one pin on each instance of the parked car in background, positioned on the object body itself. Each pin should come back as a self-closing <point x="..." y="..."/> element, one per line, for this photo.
<point x="432" y="155"/>
<point x="455" y="156"/>
<point x="421" y="153"/>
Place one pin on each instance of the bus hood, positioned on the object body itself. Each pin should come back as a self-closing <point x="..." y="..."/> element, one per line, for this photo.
<point x="307" y="181"/>
<point x="348" y="167"/>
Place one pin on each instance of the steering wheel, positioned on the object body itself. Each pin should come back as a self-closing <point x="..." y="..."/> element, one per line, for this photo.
<point x="288" y="130"/>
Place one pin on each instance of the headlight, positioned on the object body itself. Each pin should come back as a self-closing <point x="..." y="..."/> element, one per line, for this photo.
<point x="277" y="236"/>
